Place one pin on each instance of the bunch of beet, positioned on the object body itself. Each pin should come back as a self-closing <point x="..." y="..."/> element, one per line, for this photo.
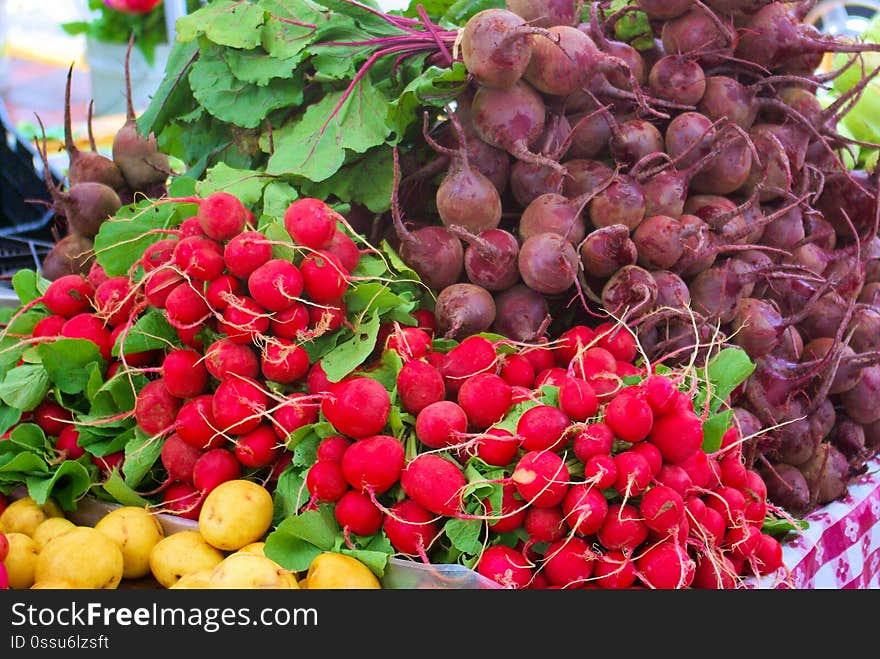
<point x="606" y="485"/>
<point x="226" y="392"/>
<point x="98" y="186"/>
<point x="696" y="190"/>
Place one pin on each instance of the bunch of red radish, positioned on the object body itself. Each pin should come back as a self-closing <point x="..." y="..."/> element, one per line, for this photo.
<point x="242" y="318"/>
<point x="608" y="487"/>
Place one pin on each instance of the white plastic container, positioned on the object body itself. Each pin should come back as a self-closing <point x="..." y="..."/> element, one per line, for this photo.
<point x="106" y="62"/>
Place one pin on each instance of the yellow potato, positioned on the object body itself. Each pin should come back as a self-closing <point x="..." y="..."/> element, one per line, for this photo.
<point x="53" y="584"/>
<point x="251" y="571"/>
<point x="330" y="570"/>
<point x="194" y="581"/>
<point x="180" y="554"/>
<point x="84" y="557"/>
<point x="136" y="531"/>
<point x="51" y="528"/>
<point x="25" y="515"/>
<point x="21" y="561"/>
<point x="257" y="548"/>
<point x="235" y="513"/>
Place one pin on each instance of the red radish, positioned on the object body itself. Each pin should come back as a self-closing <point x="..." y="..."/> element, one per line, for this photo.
<point x="158" y="285"/>
<point x="572" y="342"/>
<point x="473" y="355"/>
<point x="143" y="358"/>
<point x="326" y="482"/>
<point x="662" y="509"/>
<point x="191" y="337"/>
<point x="585" y="508"/>
<point x="239" y="405"/>
<point x="4" y="546"/>
<point x="52" y="417"/>
<point x="410" y="528"/>
<point x="577" y="399"/>
<point x="505" y="566"/>
<point x="327" y="317"/>
<point x="225" y="358"/>
<point x="733" y="470"/>
<point x="284" y="362"/>
<point x="289" y="323"/>
<point x="182" y="500"/>
<point x="213" y="468"/>
<point x="617" y="340"/>
<point x="310" y="222"/>
<point x="678" y="435"/>
<point x="613" y="570"/>
<point x="186" y="305"/>
<point x="246" y="252"/>
<point x="49" y="326"/>
<point x="244" y="321"/>
<point x="426" y="320"/>
<point x="545" y="524"/>
<point x="220" y="289"/>
<point x="755" y="490"/>
<point x="543" y="428"/>
<point x="157" y="254"/>
<point x="666" y="565"/>
<point x="517" y="370"/>
<point x="222" y="216"/>
<point x="67" y="443"/>
<point x="316" y="379"/>
<point x="97" y="275"/>
<point x="512" y="512"/>
<point x="418" y="385"/>
<point x="324" y="279"/>
<point x="373" y="464"/>
<point x="155" y="409"/>
<point x="741" y="541"/>
<point x="729" y="503"/>
<point x="712" y="527"/>
<point x="439" y="424"/>
<point x="179" y="459"/>
<point x="659" y="393"/>
<point x="675" y="477"/>
<point x="409" y="342"/>
<point x="357" y="514"/>
<point x="344" y="249"/>
<point x="333" y="448"/>
<point x="196" y="425"/>
<point x="258" y="448"/>
<point x="190" y="227"/>
<point x="275" y="284"/>
<point x="593" y="439"/>
<point x="601" y="471"/>
<point x="622" y="529"/>
<point x="698" y="468"/>
<point x="68" y="296"/>
<point x="652" y="454"/>
<point x="540" y="358"/>
<point x="297" y="411"/>
<point x="199" y="258"/>
<point x="114" y="300"/>
<point x="541" y="478"/>
<point x="485" y="399"/>
<point x="714" y="573"/>
<point x="629" y="417"/>
<point x="89" y="326"/>
<point x="184" y="373"/>
<point x="589" y="363"/>
<point x="358" y="407"/>
<point x="695" y="509"/>
<point x="109" y="463"/>
<point x="767" y="555"/>
<point x="553" y="377"/>
<point x="633" y="473"/>
<point x="434" y="483"/>
<point x="568" y="563"/>
<point x="497" y="447"/>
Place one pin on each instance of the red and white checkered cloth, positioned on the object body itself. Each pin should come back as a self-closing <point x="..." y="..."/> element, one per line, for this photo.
<point x="841" y="547"/>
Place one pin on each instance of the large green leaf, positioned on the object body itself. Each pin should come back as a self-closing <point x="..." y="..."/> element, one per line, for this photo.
<point x="233" y="23"/>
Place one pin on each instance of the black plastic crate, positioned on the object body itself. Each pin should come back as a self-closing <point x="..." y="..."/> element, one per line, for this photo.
<point x="25" y="223"/>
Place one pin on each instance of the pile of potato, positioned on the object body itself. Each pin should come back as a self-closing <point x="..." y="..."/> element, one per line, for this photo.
<point x="47" y="550"/>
